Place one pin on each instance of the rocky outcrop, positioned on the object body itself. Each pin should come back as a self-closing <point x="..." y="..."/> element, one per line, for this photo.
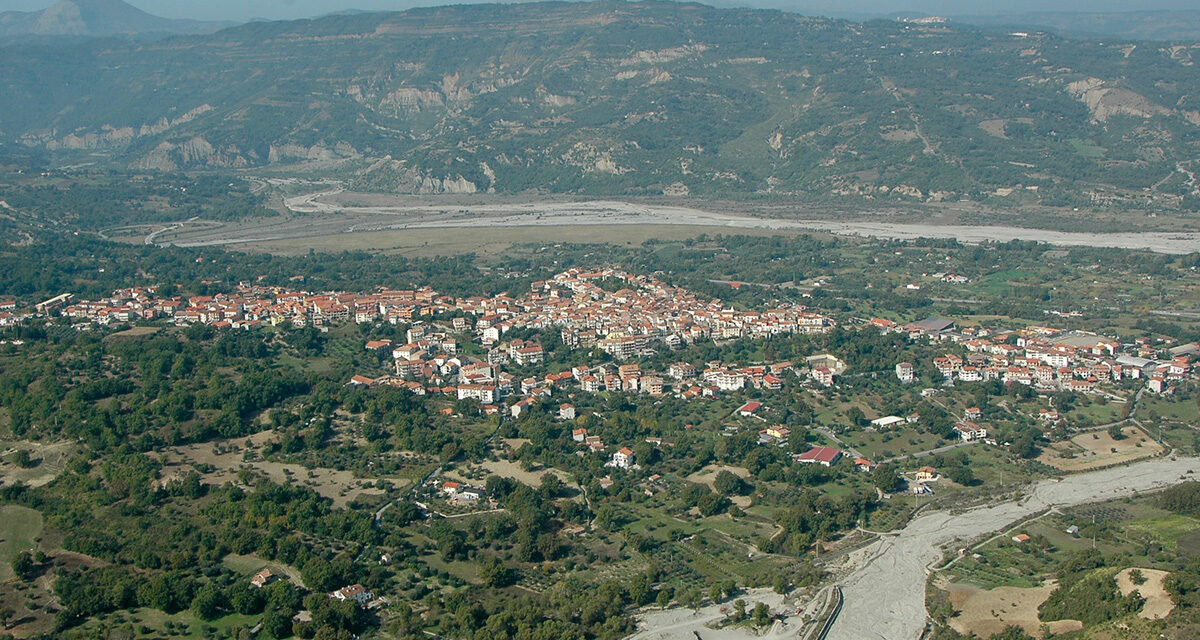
<point x="190" y="153"/>
<point x="110" y="136"/>
<point x="289" y="152"/>
<point x="665" y="55"/>
<point x="410" y="99"/>
<point x="1105" y="102"/>
<point x="388" y="174"/>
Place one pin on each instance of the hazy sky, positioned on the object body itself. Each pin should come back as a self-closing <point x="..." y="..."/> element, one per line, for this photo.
<point x="281" y="9"/>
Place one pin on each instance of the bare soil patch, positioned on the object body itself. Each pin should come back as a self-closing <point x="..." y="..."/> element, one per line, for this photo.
<point x="1099" y="449"/>
<point x="50" y="458"/>
<point x="899" y="135"/>
<point x="511" y="469"/>
<point x="987" y="612"/>
<point x="1158" y="601"/>
<point x="708" y="474"/>
<point x="994" y="127"/>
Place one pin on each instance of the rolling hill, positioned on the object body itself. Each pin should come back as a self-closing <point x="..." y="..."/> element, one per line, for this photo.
<point x="95" y="18"/>
<point x="633" y="99"/>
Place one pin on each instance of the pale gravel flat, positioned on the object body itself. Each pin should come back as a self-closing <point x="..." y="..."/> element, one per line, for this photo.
<point x="616" y="212"/>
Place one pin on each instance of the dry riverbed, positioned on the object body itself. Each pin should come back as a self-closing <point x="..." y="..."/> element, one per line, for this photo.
<point x="884" y="583"/>
<point x="333" y="212"/>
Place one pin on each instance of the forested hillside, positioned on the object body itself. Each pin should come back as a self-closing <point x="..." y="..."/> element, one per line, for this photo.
<point x="633" y="99"/>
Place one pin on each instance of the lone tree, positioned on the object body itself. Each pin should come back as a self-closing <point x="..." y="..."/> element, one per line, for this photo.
<point x="494" y="574"/>
<point x="727" y="483"/>
<point x="24" y="566"/>
<point x="762" y="615"/>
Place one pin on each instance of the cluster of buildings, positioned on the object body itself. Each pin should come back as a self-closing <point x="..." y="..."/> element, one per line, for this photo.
<point x="637" y="314"/>
<point x="1047" y="358"/>
<point x="9" y="315"/>
<point x="429" y="364"/>
<point x="458" y="492"/>
<point x="355" y="593"/>
<point x="252" y="305"/>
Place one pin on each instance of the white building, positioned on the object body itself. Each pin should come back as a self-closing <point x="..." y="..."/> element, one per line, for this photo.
<point x="622" y="459"/>
<point x="970" y="432"/>
<point x="566" y="412"/>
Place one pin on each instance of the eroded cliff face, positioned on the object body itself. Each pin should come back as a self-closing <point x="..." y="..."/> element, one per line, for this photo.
<point x="109" y="136"/>
<point x="388" y="174"/>
<point x="191" y="153"/>
<point x="1105" y="101"/>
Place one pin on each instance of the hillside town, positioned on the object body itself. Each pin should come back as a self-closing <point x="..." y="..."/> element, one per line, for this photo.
<point x="623" y="322"/>
<point x="624" y="316"/>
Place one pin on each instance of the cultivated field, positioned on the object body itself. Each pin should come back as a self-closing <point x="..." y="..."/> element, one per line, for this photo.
<point x="132" y="332"/>
<point x="511" y="469"/>
<point x="19" y="530"/>
<point x="708" y="474"/>
<point x="1099" y="449"/>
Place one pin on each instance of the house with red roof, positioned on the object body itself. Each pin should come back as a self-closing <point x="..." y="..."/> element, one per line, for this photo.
<point x="622" y="459"/>
<point x="824" y="456"/>
<point x="747" y="410"/>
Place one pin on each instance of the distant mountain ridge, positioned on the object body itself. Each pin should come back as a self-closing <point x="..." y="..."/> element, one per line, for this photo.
<point x="1140" y="25"/>
<point x="96" y="18"/>
<point x="633" y="98"/>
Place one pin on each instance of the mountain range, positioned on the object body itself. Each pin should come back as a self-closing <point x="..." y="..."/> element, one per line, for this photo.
<point x="109" y="18"/>
<point x="632" y="99"/>
<point x="96" y="18"/>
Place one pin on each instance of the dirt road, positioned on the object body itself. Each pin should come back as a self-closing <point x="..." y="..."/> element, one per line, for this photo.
<point x="885" y="596"/>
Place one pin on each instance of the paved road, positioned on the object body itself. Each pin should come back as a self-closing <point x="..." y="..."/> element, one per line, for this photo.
<point x="885" y="596"/>
<point x="854" y="453"/>
<point x="1193" y="314"/>
<point x="930" y="452"/>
